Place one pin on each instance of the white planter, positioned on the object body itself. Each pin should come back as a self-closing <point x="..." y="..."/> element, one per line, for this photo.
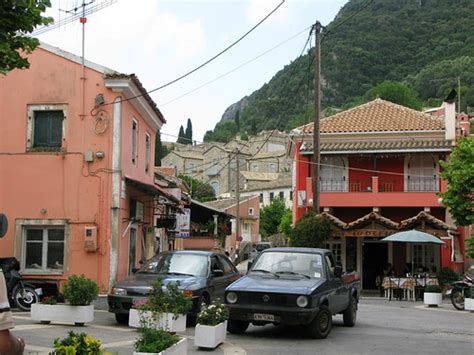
<point x="163" y="321"/>
<point x="62" y="313"/>
<point x="469" y="304"/>
<point x="180" y="348"/>
<point x="208" y="336"/>
<point x="432" y="299"/>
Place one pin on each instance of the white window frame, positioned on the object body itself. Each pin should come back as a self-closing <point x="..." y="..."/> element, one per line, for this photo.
<point x="272" y="168"/>
<point x="147" y="152"/>
<point x="134" y="141"/>
<point x="30" y="130"/>
<point x="21" y="225"/>
<point x="251" y="211"/>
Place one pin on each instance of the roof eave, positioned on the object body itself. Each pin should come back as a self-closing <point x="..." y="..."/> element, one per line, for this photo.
<point x="385" y="151"/>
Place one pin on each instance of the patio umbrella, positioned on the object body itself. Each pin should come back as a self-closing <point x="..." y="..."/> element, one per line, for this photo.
<point x="413" y="237"/>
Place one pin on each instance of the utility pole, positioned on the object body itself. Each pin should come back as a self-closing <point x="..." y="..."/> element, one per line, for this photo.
<point x="459" y="94"/>
<point x="317" y="111"/>
<point x="237" y="194"/>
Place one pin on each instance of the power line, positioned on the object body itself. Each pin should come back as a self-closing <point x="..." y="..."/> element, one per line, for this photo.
<point x="207" y="61"/>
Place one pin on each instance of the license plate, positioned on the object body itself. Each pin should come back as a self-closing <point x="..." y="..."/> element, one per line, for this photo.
<point x="266" y="317"/>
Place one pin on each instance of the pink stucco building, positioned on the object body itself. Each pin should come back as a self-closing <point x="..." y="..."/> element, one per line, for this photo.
<point x="76" y="168"/>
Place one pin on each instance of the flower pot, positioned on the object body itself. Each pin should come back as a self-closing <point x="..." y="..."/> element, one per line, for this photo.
<point x="62" y="313"/>
<point x="469" y="304"/>
<point x="208" y="336"/>
<point x="164" y="321"/>
<point x="180" y="348"/>
<point x="432" y="299"/>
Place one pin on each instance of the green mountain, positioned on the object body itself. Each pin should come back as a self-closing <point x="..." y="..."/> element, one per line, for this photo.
<point x="428" y="45"/>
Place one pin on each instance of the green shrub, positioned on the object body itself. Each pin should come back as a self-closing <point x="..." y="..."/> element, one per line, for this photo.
<point x="433" y="289"/>
<point x="77" y="344"/>
<point x="154" y="340"/>
<point x="447" y="276"/>
<point x="80" y="291"/>
<point x="213" y="314"/>
<point x="310" y="231"/>
<point x="169" y="299"/>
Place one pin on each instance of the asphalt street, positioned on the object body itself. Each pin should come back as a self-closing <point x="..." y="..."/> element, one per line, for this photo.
<point x="383" y="327"/>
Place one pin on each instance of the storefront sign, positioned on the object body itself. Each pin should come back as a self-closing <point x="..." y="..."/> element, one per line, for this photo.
<point x="184" y="223"/>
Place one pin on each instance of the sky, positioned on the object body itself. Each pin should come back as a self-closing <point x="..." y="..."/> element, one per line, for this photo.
<point x="159" y="40"/>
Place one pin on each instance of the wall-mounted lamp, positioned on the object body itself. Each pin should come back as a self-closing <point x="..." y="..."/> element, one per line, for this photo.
<point x="99" y="154"/>
<point x="99" y="100"/>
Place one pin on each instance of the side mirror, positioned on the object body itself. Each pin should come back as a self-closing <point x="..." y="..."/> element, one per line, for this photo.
<point x="217" y="273"/>
<point x="135" y="269"/>
<point x="249" y="265"/>
<point x="338" y="271"/>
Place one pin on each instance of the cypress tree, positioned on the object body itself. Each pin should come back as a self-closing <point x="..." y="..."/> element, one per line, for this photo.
<point x="181" y="135"/>
<point x="158" y="149"/>
<point x="189" y="132"/>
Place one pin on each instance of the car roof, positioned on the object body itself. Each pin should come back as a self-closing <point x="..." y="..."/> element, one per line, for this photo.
<point x="297" y="250"/>
<point x="193" y="252"/>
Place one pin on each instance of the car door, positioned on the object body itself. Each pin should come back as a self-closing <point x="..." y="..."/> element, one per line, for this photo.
<point x="230" y="271"/>
<point x="218" y="280"/>
<point x="337" y="293"/>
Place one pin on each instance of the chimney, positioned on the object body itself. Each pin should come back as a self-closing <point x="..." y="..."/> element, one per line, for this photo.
<point x="450" y="115"/>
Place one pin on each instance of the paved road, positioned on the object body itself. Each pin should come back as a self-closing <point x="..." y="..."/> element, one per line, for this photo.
<point x="382" y="328"/>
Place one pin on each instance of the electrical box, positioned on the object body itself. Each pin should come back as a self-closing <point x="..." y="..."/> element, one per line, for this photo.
<point x="89" y="156"/>
<point x="90" y="239"/>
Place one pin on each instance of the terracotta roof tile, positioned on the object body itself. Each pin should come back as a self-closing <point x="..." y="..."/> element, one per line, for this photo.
<point x="378" y="116"/>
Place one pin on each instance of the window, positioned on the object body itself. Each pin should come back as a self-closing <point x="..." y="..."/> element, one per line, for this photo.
<point x="333" y="175"/>
<point x="250" y="211"/>
<point x="331" y="266"/>
<point x="336" y="248"/>
<point x="225" y="264"/>
<point x="147" y="152"/>
<point x="261" y="198"/>
<point x="272" y="195"/>
<point x="291" y="195"/>
<point x="281" y="195"/>
<point x="422" y="173"/>
<point x="43" y="249"/>
<point x="134" y="141"/>
<point x="273" y="168"/>
<point x="215" y="186"/>
<point x="191" y="168"/>
<point x="46" y="127"/>
<point x="254" y="167"/>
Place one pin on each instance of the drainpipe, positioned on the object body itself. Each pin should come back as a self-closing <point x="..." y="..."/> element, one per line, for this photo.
<point x="451" y="237"/>
<point x="116" y="188"/>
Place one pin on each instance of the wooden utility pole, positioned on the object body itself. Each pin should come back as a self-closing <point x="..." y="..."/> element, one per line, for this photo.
<point x="237" y="195"/>
<point x="317" y="113"/>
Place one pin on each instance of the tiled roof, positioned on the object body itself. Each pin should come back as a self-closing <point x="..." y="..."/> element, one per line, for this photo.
<point x="166" y="170"/>
<point x="266" y="155"/>
<point x="409" y="222"/>
<point x="282" y="182"/>
<point x="189" y="155"/>
<point x="377" y="116"/>
<point x="140" y="87"/>
<point x="255" y="175"/>
<point x="372" y="216"/>
<point x="381" y="145"/>
<point x="223" y="204"/>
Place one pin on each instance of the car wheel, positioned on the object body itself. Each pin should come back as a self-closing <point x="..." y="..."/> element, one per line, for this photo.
<point x="321" y="325"/>
<point x="349" y="316"/>
<point x="121" y="318"/>
<point x="237" y="326"/>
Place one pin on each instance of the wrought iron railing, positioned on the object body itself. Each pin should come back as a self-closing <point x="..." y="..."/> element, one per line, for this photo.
<point x="421" y="184"/>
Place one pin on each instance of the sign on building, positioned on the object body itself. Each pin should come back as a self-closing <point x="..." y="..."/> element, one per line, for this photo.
<point x="184" y="223"/>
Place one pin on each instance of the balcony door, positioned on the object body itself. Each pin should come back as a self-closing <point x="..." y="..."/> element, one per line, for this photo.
<point x="333" y="174"/>
<point x="422" y="173"/>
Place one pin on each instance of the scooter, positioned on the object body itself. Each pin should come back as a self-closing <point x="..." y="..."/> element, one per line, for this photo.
<point x="20" y="293"/>
<point x="460" y="291"/>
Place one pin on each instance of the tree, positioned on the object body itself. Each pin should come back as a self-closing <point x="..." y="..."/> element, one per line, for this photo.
<point x="270" y="217"/>
<point x="237" y="120"/>
<point x="181" y="136"/>
<point x="395" y="92"/>
<point x="189" y="133"/>
<point x="311" y="231"/>
<point x="199" y="191"/>
<point x="19" y="17"/>
<point x="158" y="149"/>
<point x="285" y="224"/>
<point x="459" y="173"/>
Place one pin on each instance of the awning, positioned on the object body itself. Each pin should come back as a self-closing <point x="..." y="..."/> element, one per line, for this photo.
<point x="153" y="190"/>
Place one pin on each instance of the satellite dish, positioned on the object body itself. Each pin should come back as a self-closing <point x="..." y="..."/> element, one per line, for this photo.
<point x="3" y="225"/>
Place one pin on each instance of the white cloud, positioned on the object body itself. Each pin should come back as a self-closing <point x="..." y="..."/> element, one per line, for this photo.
<point x="258" y="9"/>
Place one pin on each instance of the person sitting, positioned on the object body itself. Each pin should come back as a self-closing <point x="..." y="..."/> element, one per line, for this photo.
<point x="388" y="270"/>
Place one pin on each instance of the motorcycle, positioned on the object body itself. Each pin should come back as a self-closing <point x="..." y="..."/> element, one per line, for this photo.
<point x="20" y="293"/>
<point x="460" y="291"/>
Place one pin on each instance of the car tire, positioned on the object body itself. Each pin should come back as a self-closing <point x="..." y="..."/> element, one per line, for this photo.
<point x="321" y="325"/>
<point x="121" y="318"/>
<point x="192" y="319"/>
<point x="349" y="316"/>
<point x="237" y="326"/>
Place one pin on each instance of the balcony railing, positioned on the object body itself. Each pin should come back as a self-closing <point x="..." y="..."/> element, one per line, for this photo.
<point x="419" y="184"/>
<point x="413" y="184"/>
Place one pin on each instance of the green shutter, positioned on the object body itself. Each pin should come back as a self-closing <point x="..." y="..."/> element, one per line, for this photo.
<point x="48" y="128"/>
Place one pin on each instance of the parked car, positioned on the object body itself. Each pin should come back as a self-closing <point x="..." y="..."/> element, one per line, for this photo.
<point x="293" y="286"/>
<point x="258" y="248"/>
<point x="204" y="275"/>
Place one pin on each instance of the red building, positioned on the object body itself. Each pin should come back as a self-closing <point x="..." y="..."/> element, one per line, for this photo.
<point x="379" y="175"/>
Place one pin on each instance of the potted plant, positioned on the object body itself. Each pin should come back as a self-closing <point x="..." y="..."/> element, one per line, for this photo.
<point x="77" y="343"/>
<point x="211" y="325"/>
<point x="432" y="295"/>
<point x="165" y="308"/>
<point x="469" y="300"/>
<point x="159" y="342"/>
<point x="79" y="292"/>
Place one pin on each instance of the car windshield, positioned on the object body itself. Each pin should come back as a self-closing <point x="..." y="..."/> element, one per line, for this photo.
<point x="291" y="263"/>
<point x="177" y="264"/>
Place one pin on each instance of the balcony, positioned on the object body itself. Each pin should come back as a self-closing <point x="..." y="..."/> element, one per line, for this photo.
<point x="377" y="191"/>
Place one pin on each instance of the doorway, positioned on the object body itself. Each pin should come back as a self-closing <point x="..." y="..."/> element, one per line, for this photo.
<point x="375" y="256"/>
<point x="132" y="250"/>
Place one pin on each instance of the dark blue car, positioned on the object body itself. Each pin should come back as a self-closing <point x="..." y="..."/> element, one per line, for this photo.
<point x="201" y="275"/>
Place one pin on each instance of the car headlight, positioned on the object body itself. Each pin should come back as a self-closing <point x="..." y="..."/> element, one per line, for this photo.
<point x="302" y="301"/>
<point x="188" y="293"/>
<point x="231" y="297"/>
<point x="119" y="291"/>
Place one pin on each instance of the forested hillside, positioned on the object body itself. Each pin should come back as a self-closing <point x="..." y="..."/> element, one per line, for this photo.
<point x="426" y="45"/>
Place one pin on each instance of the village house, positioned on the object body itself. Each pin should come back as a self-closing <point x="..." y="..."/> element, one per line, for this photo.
<point x="379" y="174"/>
<point x="76" y="169"/>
